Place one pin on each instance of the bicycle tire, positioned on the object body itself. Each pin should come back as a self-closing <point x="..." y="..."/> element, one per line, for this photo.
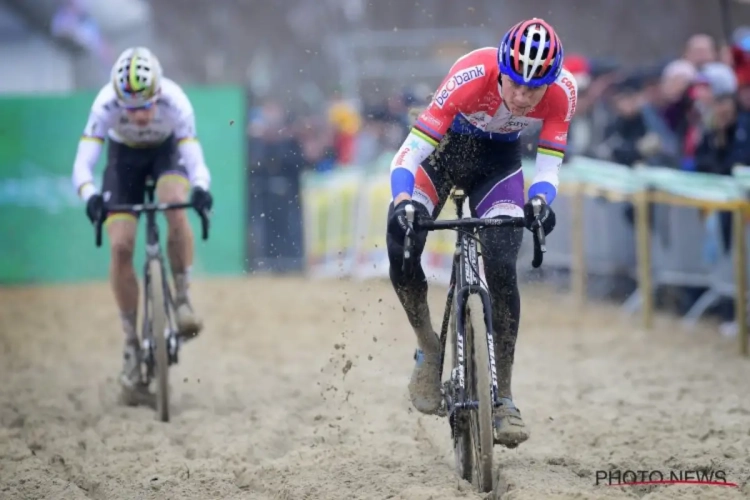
<point x="462" y="450"/>
<point x="479" y="385"/>
<point x="159" y="322"/>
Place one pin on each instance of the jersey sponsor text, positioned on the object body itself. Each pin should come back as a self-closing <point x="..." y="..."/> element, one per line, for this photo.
<point x="457" y="80"/>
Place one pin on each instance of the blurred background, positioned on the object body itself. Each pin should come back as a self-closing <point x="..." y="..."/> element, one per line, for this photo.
<point x="281" y="88"/>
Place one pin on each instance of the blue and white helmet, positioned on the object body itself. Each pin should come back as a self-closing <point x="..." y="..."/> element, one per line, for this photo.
<point x="531" y="54"/>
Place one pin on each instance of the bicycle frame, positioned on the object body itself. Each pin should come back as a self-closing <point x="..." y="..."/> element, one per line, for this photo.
<point x="154" y="252"/>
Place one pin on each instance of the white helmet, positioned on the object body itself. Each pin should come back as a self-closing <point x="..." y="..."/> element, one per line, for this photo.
<point x="136" y="77"/>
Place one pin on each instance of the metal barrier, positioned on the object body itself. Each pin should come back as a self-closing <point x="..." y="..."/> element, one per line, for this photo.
<point x="676" y="252"/>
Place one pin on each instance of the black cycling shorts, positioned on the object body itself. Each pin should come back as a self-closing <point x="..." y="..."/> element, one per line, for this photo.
<point x="128" y="168"/>
<point x="488" y="171"/>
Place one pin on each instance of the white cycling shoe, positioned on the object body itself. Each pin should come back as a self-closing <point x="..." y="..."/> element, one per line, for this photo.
<point x="189" y="324"/>
<point x="130" y="376"/>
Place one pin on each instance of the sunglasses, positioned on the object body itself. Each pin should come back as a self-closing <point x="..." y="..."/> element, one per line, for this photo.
<point x="148" y="105"/>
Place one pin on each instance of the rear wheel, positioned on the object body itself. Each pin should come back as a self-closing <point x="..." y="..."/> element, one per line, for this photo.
<point x="479" y="388"/>
<point x="159" y="323"/>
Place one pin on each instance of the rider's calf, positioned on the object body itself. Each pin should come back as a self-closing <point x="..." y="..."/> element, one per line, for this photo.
<point x="121" y="230"/>
<point x="180" y="235"/>
<point x="410" y="285"/>
<point x="500" y="252"/>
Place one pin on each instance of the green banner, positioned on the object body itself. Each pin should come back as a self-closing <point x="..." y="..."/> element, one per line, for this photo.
<point x="45" y="236"/>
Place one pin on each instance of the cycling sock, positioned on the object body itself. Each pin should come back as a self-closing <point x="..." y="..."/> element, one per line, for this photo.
<point x="182" y="284"/>
<point x="129" y="320"/>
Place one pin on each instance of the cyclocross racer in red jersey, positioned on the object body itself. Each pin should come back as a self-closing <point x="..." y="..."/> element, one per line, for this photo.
<point x="469" y="137"/>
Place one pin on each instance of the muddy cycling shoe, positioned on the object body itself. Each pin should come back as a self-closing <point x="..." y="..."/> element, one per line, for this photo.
<point x="424" y="386"/>
<point x="189" y="324"/>
<point x="509" y="429"/>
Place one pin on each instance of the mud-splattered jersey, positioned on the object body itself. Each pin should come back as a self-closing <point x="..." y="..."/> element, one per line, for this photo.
<point x="173" y="116"/>
<point x="469" y="101"/>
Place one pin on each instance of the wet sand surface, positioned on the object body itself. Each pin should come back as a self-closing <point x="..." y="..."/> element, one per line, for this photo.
<point x="297" y="390"/>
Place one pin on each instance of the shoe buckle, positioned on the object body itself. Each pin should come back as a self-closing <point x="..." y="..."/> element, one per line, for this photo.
<point x="418" y="356"/>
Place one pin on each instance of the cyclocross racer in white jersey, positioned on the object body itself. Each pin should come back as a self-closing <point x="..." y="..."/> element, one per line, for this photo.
<point x="151" y="129"/>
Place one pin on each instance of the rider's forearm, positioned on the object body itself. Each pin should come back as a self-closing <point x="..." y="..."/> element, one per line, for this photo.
<point x="192" y="154"/>
<point x="546" y="178"/>
<point x="89" y="150"/>
<point x="412" y="153"/>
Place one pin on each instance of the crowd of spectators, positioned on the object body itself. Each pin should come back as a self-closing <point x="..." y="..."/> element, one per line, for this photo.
<point x="691" y="113"/>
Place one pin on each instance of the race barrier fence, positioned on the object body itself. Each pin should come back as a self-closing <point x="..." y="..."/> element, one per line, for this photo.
<point x="673" y="237"/>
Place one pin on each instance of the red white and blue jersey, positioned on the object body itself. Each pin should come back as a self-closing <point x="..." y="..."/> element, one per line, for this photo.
<point x="469" y="101"/>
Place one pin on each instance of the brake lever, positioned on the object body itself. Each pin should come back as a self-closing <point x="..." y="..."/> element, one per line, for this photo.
<point x="98" y="227"/>
<point x="537" y="206"/>
<point x="540" y="243"/>
<point x="205" y="216"/>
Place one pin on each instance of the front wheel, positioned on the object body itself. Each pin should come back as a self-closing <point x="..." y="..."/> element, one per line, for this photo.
<point x="462" y="449"/>
<point x="159" y="330"/>
<point x="479" y="388"/>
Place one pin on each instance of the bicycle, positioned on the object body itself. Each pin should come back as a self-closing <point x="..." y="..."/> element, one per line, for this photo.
<point x="471" y="393"/>
<point x="159" y="350"/>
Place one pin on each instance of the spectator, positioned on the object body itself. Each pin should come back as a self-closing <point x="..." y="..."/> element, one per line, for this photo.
<point x="315" y="137"/>
<point x="715" y="79"/>
<point x="578" y="133"/>
<point x="633" y="136"/>
<point x="726" y="142"/>
<point x="275" y="161"/>
<point x="700" y="50"/>
<point x="676" y="108"/>
<point x="370" y="139"/>
<point x="593" y="109"/>
<point x="740" y="58"/>
<point x="346" y="123"/>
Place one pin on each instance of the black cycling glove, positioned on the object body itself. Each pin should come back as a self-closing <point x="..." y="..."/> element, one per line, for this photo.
<point x="95" y="208"/>
<point x="202" y="200"/>
<point x="397" y="223"/>
<point x="546" y="216"/>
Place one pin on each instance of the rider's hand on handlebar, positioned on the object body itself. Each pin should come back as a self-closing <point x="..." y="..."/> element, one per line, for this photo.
<point x="397" y="222"/>
<point x="202" y="200"/>
<point x="95" y="208"/>
<point x="546" y="216"/>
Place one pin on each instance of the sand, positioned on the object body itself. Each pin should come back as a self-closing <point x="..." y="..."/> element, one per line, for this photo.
<point x="297" y="390"/>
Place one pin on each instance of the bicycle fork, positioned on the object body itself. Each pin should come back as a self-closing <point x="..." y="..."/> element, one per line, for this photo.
<point x="470" y="283"/>
<point x="458" y="373"/>
<point x="173" y="342"/>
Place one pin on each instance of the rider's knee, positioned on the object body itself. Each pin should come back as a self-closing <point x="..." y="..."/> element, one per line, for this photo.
<point x="121" y="230"/>
<point x="122" y="248"/>
<point x="500" y="253"/>
<point x="172" y="189"/>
